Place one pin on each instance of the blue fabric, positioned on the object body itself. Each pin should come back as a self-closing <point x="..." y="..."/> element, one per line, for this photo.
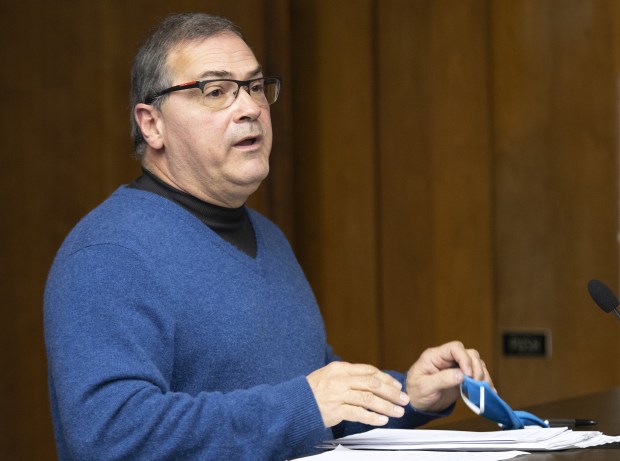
<point x="492" y="407"/>
<point x="166" y="342"/>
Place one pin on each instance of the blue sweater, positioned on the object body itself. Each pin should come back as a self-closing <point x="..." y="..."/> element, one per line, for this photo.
<point x="166" y="342"/>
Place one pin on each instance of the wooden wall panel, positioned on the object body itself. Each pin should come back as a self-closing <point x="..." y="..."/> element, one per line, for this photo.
<point x="444" y="168"/>
<point x="434" y="157"/>
<point x="334" y="167"/>
<point x="556" y="173"/>
<point x="54" y="127"/>
<point x="614" y="11"/>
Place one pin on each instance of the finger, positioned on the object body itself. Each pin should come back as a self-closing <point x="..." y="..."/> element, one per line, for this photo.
<point x="436" y="391"/>
<point x="361" y="369"/>
<point x="374" y="403"/>
<point x="465" y="359"/>
<point x="375" y="386"/>
<point x="487" y="376"/>
<point x="444" y="379"/>
<point x="367" y="377"/>
<point x="477" y="365"/>
<point x="480" y="371"/>
<point x="358" y="414"/>
<point x="447" y="355"/>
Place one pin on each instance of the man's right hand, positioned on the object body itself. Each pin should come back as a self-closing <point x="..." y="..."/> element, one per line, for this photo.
<point x="356" y="392"/>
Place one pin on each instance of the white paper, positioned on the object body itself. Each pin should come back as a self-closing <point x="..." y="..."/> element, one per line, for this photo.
<point x="528" y="439"/>
<point x="345" y="454"/>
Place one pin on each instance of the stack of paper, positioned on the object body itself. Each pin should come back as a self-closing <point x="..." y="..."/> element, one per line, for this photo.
<point x="528" y="439"/>
<point x="344" y="454"/>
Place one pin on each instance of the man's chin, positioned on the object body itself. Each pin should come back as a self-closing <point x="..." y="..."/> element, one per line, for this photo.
<point x="256" y="172"/>
<point x="251" y="181"/>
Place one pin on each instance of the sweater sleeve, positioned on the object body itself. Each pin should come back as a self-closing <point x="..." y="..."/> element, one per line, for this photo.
<point x="110" y="357"/>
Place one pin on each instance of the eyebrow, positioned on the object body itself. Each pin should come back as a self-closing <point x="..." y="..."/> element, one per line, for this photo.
<point x="227" y="74"/>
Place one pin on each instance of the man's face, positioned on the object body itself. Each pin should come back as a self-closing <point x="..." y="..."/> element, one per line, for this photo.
<point x="218" y="156"/>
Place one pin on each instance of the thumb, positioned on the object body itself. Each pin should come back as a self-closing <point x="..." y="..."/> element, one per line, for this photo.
<point x="437" y="391"/>
<point x="448" y="378"/>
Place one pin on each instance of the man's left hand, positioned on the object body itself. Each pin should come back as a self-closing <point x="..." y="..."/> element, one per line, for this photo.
<point x="433" y="381"/>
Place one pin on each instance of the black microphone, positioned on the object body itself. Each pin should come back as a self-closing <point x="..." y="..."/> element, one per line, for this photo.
<point x="603" y="296"/>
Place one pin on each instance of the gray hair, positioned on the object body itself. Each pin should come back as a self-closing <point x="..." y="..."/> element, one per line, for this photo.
<point x="150" y="74"/>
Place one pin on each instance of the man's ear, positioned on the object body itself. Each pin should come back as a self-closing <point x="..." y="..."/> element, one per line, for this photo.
<point x="148" y="118"/>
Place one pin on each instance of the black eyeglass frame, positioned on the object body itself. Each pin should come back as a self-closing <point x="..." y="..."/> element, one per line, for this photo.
<point x="200" y="84"/>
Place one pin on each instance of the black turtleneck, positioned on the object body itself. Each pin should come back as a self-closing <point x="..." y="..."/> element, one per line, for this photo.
<point x="232" y="224"/>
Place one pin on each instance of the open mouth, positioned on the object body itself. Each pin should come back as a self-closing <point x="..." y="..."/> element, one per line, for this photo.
<point x="247" y="142"/>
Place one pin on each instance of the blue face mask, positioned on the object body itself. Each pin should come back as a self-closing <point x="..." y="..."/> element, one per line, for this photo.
<point x="484" y="401"/>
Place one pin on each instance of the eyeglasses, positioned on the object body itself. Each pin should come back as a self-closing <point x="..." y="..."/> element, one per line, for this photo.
<point x="220" y="94"/>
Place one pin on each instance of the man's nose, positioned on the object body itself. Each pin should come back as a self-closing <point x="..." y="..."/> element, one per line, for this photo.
<point x="250" y="108"/>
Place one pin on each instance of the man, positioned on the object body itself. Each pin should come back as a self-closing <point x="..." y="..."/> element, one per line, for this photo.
<point x="178" y="322"/>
